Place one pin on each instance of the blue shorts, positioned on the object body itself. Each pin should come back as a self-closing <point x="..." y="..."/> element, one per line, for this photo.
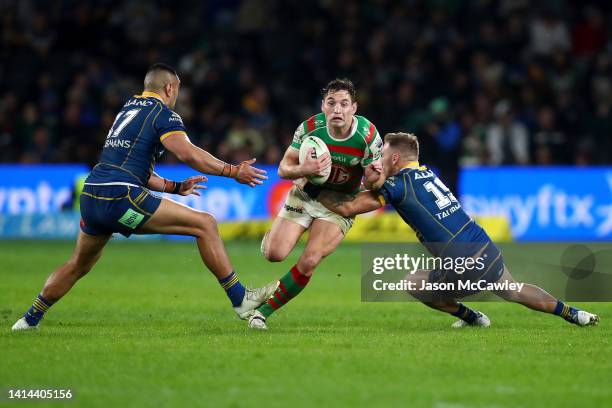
<point x="493" y="268"/>
<point x="116" y="208"/>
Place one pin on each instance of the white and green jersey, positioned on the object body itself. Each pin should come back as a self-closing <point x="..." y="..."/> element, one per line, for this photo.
<point x="349" y="156"/>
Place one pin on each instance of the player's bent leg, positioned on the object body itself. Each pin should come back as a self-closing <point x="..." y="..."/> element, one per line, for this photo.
<point x="177" y="219"/>
<point x="530" y="296"/>
<point x="466" y="315"/>
<point x="172" y="218"/>
<point x="538" y="299"/>
<point x="280" y="240"/>
<point x="292" y="220"/>
<point x="428" y="298"/>
<point x="324" y="238"/>
<point x="86" y="253"/>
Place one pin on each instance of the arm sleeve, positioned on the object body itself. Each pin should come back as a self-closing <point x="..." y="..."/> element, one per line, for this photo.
<point x="168" y="123"/>
<point x="390" y="191"/>
<point x="298" y="136"/>
<point x="374" y="149"/>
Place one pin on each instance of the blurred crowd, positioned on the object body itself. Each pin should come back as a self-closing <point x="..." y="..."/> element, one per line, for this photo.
<point x="481" y="82"/>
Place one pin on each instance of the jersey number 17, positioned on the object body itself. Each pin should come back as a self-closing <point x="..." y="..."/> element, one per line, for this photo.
<point x="121" y="121"/>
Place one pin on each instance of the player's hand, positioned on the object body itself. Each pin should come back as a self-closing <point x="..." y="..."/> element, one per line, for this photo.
<point x="315" y="167"/>
<point x="373" y="176"/>
<point x="373" y="171"/>
<point x="250" y="175"/>
<point x="376" y="167"/>
<point x="191" y="186"/>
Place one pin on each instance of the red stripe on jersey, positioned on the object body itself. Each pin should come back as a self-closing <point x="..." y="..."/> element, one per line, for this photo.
<point x="371" y="133"/>
<point x="353" y="151"/>
<point x="310" y="124"/>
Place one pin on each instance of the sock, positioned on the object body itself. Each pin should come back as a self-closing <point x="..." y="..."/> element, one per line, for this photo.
<point x="233" y="288"/>
<point x="290" y="286"/>
<point x="466" y="314"/>
<point x="565" y="311"/>
<point x="36" y="312"/>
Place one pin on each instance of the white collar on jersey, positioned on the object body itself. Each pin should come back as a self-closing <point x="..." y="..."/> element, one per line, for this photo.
<point x="353" y="130"/>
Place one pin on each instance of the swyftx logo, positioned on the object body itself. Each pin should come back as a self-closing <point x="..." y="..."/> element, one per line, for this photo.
<point x="549" y="207"/>
<point x="42" y="198"/>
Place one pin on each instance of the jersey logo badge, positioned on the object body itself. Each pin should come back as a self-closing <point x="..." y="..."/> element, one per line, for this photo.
<point x="339" y="175"/>
<point x="131" y="219"/>
<point x="175" y="118"/>
<point x="298" y="210"/>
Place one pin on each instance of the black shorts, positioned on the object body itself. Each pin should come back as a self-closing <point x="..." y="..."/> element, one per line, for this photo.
<point x="116" y="208"/>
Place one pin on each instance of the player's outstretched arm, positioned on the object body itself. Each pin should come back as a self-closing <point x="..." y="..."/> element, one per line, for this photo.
<point x="348" y="206"/>
<point x="290" y="167"/>
<point x="184" y="188"/>
<point x="205" y="162"/>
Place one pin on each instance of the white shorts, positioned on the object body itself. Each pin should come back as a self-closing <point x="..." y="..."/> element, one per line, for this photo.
<point x="302" y="209"/>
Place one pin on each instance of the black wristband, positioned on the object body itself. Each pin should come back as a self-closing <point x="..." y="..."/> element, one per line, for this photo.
<point x="177" y="187"/>
<point x="312" y="190"/>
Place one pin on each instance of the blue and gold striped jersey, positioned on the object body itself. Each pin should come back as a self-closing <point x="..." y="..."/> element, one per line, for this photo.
<point x="133" y="143"/>
<point x="430" y="208"/>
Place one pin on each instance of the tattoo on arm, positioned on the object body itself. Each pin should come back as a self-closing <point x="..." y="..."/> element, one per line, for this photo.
<point x="336" y="199"/>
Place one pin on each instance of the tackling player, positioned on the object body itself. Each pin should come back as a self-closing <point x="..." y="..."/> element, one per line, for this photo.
<point x="442" y="225"/>
<point x="117" y="195"/>
<point x="354" y="145"/>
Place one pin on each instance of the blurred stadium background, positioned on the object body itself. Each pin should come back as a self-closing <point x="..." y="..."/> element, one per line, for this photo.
<point x="512" y="100"/>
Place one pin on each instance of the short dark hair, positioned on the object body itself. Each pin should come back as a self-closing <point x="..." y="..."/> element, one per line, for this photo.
<point x="158" y="76"/>
<point x="340" y="84"/>
<point x="406" y="143"/>
<point x="160" y="66"/>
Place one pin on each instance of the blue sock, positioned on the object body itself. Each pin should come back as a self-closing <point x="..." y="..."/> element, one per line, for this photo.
<point x="565" y="311"/>
<point x="36" y="312"/>
<point x="233" y="288"/>
<point x="466" y="314"/>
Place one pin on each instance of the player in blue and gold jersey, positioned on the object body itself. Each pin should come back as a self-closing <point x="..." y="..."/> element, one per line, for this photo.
<point x="430" y="208"/>
<point x="117" y="195"/>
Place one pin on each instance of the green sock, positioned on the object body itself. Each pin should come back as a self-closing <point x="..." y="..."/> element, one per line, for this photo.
<point x="290" y="286"/>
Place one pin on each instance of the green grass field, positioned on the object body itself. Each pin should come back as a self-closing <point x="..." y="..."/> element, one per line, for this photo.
<point x="149" y="326"/>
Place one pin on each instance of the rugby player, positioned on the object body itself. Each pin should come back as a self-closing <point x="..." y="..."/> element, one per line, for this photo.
<point x="441" y="224"/>
<point x="117" y="195"/>
<point x="354" y="145"/>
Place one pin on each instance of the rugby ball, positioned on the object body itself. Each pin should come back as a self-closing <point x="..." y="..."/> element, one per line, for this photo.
<point x="319" y="149"/>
